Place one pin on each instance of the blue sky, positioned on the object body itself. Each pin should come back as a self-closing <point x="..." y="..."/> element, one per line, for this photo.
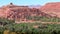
<point x="27" y="2"/>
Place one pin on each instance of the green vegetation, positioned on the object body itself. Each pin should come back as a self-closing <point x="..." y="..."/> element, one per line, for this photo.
<point x="10" y="27"/>
<point x="27" y="28"/>
<point x="43" y="18"/>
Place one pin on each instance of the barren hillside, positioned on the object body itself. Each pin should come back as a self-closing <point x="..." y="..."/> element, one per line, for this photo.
<point x="52" y="9"/>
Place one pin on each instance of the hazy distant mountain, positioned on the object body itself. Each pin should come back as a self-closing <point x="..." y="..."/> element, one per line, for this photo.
<point x="35" y="6"/>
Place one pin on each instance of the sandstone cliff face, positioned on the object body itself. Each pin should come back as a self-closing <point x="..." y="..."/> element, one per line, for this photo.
<point x="19" y="12"/>
<point x="52" y="9"/>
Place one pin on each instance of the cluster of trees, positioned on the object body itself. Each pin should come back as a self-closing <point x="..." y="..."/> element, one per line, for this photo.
<point x="29" y="29"/>
<point x="4" y="21"/>
<point x="43" y="18"/>
<point x="10" y="27"/>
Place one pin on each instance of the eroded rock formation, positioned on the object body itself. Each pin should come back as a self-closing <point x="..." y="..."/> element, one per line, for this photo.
<point x="20" y="13"/>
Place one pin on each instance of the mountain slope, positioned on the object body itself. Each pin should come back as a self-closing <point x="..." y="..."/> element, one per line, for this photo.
<point x="52" y="9"/>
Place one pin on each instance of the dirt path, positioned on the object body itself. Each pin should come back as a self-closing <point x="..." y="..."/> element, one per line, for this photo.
<point x="38" y="22"/>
